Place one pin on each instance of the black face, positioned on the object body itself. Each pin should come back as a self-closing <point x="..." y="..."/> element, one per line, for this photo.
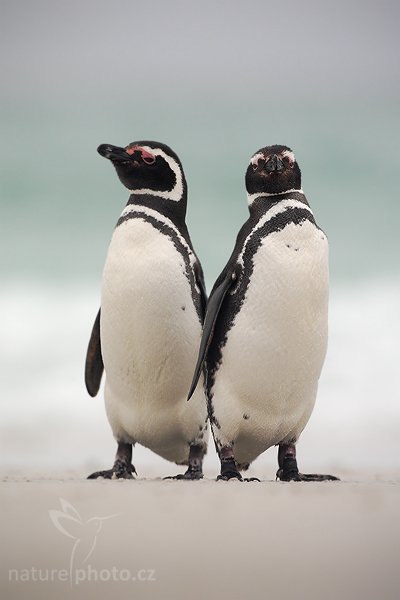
<point x="139" y="165"/>
<point x="273" y="170"/>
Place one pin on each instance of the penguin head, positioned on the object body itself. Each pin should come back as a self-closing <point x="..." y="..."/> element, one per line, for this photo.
<point x="273" y="170"/>
<point x="148" y="168"/>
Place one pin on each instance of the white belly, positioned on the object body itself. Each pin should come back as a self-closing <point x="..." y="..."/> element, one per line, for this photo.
<point x="265" y="389"/>
<point x="149" y="333"/>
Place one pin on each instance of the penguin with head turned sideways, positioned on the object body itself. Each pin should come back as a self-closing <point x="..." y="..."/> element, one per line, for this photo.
<point x="148" y="328"/>
<point x="265" y="332"/>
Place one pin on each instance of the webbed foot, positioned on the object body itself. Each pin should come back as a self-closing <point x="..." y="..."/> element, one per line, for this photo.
<point x="288" y="470"/>
<point x="283" y="475"/>
<point x="229" y="470"/>
<point x="228" y="476"/>
<point x="189" y="475"/>
<point x="120" y="470"/>
<point x="195" y="461"/>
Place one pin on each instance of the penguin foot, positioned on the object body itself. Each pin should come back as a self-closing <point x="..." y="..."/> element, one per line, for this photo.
<point x="195" y="465"/>
<point x="315" y="477"/>
<point x="189" y="475"/>
<point x="229" y="470"/>
<point x="288" y="470"/>
<point x="228" y="476"/>
<point x="120" y="470"/>
<point x="237" y="475"/>
<point x="282" y="476"/>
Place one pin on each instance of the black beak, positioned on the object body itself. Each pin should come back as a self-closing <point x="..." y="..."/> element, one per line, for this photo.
<point x="114" y="153"/>
<point x="274" y="163"/>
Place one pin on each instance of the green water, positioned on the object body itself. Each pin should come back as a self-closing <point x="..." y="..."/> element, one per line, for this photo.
<point x="60" y="199"/>
<point x="215" y="81"/>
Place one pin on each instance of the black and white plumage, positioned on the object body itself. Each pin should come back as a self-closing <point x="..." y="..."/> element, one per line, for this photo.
<point x="149" y="324"/>
<point x="265" y="332"/>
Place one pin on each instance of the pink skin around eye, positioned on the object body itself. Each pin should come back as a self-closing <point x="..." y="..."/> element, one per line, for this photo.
<point x="146" y="156"/>
<point x="255" y="161"/>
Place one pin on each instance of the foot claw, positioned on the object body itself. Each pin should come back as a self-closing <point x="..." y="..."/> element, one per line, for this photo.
<point x="296" y="476"/>
<point x="315" y="477"/>
<point x="286" y="475"/>
<point x="190" y="475"/>
<point x="230" y="475"/>
<point x="120" y="470"/>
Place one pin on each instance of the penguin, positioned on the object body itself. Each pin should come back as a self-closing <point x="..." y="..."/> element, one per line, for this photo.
<point x="148" y="328"/>
<point x="265" y="332"/>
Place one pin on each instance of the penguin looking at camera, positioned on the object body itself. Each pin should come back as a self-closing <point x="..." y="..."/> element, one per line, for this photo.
<point x="265" y="332"/>
<point x="148" y="328"/>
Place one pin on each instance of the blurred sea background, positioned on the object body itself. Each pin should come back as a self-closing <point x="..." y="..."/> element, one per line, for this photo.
<point x="215" y="81"/>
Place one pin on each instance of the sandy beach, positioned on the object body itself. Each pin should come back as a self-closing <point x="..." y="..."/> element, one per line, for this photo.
<point x="150" y="538"/>
<point x="65" y="537"/>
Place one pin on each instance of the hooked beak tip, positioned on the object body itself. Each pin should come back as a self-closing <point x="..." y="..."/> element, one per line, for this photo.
<point x="113" y="153"/>
<point x="104" y="150"/>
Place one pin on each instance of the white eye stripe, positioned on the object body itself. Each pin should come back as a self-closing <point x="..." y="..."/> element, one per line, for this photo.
<point x="177" y="191"/>
<point x="288" y="154"/>
<point x="254" y="160"/>
<point x="150" y="150"/>
<point x="285" y="154"/>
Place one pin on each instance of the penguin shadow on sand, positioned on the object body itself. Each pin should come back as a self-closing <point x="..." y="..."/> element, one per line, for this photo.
<point x="260" y="340"/>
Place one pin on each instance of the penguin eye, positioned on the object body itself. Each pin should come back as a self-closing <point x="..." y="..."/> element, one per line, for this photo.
<point x="255" y="161"/>
<point x="149" y="159"/>
<point x="288" y="158"/>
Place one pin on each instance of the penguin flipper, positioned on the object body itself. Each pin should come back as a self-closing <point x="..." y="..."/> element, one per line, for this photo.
<point x="94" y="366"/>
<point x="214" y="304"/>
<point x="198" y="272"/>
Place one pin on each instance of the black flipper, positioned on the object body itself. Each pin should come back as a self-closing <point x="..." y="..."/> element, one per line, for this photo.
<point x="94" y="366"/>
<point x="214" y="304"/>
<point x="198" y="272"/>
